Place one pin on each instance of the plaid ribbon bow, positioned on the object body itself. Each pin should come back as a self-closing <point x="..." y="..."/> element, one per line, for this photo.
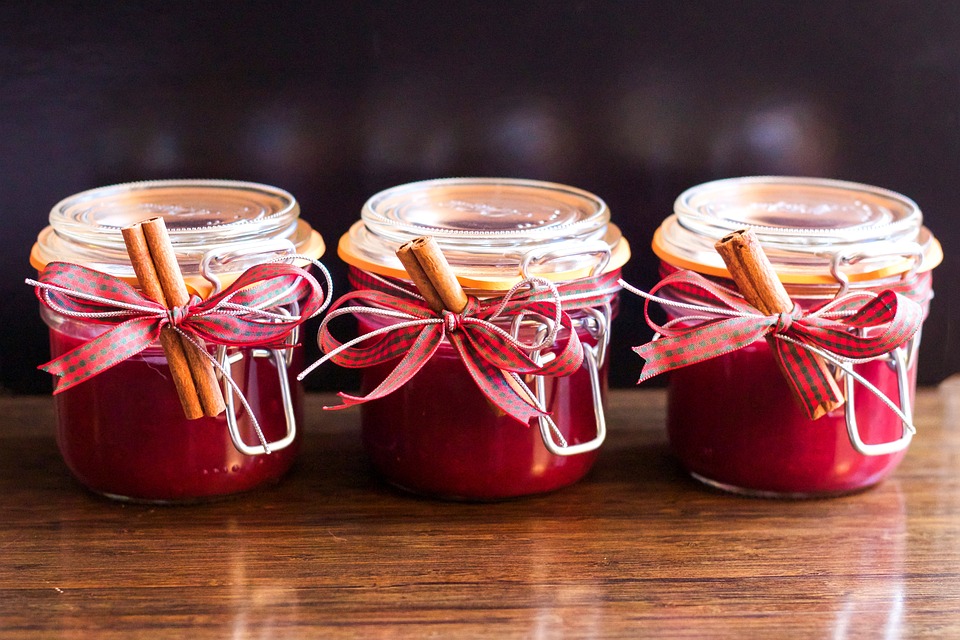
<point x="494" y="358"/>
<point x="242" y="315"/>
<point x="855" y="327"/>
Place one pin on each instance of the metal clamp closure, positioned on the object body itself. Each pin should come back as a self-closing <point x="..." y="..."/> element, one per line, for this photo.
<point x="899" y="358"/>
<point x="225" y="255"/>
<point x="226" y="360"/>
<point x="837" y="260"/>
<point x="567" y="250"/>
<point x="597" y="324"/>
<point x="282" y="358"/>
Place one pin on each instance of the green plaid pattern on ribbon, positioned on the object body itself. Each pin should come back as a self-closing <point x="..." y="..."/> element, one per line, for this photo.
<point x="493" y="358"/>
<point x="857" y="326"/>
<point x="242" y="315"/>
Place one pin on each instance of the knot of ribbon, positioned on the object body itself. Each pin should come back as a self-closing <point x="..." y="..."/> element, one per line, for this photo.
<point x="176" y="315"/>
<point x="248" y="313"/>
<point x="784" y="322"/>
<point x="711" y="320"/>
<point x="453" y="321"/>
<point x="494" y="357"/>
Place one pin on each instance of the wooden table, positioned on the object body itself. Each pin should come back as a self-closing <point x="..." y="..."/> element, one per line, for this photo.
<point x="636" y="549"/>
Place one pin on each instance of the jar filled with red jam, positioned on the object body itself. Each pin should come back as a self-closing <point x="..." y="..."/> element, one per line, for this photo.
<point x="732" y="421"/>
<point x="123" y="432"/>
<point x="439" y="435"/>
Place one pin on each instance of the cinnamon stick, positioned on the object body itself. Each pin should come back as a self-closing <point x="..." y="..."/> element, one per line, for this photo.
<point x="169" y="339"/>
<point x="419" y="276"/>
<point x="176" y="295"/>
<point x="431" y="273"/>
<point x="436" y="269"/>
<point x="758" y="283"/>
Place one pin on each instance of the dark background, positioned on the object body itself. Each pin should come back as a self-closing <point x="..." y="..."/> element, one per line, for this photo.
<point x="635" y="101"/>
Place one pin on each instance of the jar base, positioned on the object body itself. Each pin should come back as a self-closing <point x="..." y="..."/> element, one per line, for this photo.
<point x="467" y="499"/>
<point x="168" y="502"/>
<point x="184" y="501"/>
<point x="776" y="495"/>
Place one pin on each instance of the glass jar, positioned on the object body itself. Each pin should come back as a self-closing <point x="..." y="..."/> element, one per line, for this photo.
<point x="123" y="432"/>
<point x="438" y="435"/>
<point x="732" y="421"/>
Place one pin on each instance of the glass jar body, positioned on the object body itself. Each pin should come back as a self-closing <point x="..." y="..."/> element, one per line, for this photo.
<point x="122" y="433"/>
<point x="439" y="436"/>
<point x="733" y="423"/>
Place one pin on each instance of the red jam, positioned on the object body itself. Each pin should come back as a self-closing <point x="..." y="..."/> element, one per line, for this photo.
<point x="733" y="422"/>
<point x="438" y="435"/>
<point x="123" y="434"/>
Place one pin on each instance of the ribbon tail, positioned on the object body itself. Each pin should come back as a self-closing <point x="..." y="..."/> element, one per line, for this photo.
<point x="106" y="350"/>
<point x="503" y="388"/>
<point x="420" y="352"/>
<point x="812" y="385"/>
<point x="696" y="344"/>
<point x="656" y="359"/>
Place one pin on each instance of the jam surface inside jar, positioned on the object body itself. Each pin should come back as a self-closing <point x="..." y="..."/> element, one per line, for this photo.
<point x="732" y="421"/>
<point x="122" y="432"/>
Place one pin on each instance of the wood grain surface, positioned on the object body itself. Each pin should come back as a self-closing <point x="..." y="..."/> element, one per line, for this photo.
<point x="635" y="550"/>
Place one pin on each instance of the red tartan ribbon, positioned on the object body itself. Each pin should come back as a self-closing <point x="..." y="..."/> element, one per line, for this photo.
<point x="855" y="327"/>
<point x="494" y="358"/>
<point x="245" y="314"/>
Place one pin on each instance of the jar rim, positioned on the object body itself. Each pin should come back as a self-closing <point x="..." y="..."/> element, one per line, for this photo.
<point x="810" y="228"/>
<point x="245" y="220"/>
<point x="488" y="228"/>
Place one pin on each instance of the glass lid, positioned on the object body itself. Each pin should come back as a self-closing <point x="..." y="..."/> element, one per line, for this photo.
<point x="237" y="218"/>
<point x="807" y="227"/>
<point x="487" y="228"/>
